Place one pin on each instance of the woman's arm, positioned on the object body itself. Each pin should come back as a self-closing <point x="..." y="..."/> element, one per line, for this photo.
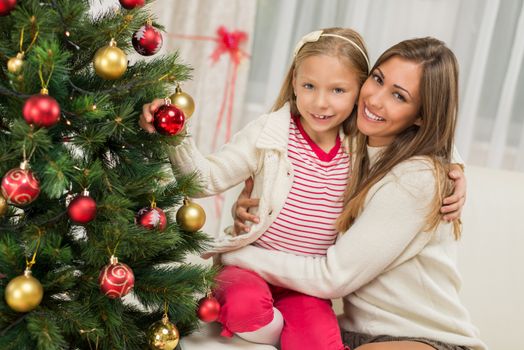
<point x="388" y="232"/>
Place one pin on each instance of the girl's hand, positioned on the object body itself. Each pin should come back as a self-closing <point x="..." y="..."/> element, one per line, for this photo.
<point x="146" y="118"/>
<point x="452" y="205"/>
<point x="241" y="207"/>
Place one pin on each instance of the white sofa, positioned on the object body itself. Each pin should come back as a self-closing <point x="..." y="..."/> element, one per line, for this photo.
<point x="491" y="263"/>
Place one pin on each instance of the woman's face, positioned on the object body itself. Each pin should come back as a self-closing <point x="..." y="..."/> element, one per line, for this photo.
<point x="389" y="101"/>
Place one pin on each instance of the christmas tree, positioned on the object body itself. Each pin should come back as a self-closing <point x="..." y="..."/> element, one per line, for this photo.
<point x="83" y="188"/>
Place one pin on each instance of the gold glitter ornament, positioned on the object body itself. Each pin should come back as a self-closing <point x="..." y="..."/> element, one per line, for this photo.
<point x="163" y="335"/>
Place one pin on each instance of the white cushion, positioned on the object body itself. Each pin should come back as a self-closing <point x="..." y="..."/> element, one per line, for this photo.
<point x="208" y="338"/>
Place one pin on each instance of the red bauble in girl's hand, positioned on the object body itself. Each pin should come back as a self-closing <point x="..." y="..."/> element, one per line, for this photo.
<point x="168" y="120"/>
<point x="131" y="4"/>
<point x="208" y="309"/>
<point x="6" y="6"/>
<point x="41" y="110"/>
<point x="116" y="279"/>
<point x="147" y="40"/>
<point x="151" y="218"/>
<point x="20" y="186"/>
<point x="82" y="209"/>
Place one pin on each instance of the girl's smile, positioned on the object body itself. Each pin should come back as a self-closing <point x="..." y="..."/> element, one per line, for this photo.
<point x="326" y="89"/>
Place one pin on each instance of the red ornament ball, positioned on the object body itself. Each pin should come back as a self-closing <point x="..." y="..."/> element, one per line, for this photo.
<point x="168" y="120"/>
<point x="6" y="6"/>
<point x="116" y="279"/>
<point x="20" y="186"/>
<point x="151" y="218"/>
<point x="208" y="309"/>
<point x="131" y="4"/>
<point x="82" y="209"/>
<point x="147" y="40"/>
<point x="41" y="110"/>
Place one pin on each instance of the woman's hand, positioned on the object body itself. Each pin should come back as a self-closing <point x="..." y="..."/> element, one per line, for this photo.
<point x="241" y="207"/>
<point x="146" y="118"/>
<point x="452" y="205"/>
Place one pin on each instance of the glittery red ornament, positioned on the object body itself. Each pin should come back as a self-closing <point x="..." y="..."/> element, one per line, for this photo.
<point x="41" y="110"/>
<point x="131" y="4"/>
<point x="82" y="209"/>
<point x="147" y="40"/>
<point x="116" y="279"/>
<point x="151" y="218"/>
<point x="20" y="186"/>
<point x="208" y="309"/>
<point x="168" y="120"/>
<point x="6" y="6"/>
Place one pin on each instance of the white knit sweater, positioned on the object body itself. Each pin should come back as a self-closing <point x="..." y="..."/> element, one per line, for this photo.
<point x="258" y="150"/>
<point x="397" y="279"/>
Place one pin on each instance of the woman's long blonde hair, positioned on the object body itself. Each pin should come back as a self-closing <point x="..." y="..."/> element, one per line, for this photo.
<point x="331" y="46"/>
<point x="432" y="139"/>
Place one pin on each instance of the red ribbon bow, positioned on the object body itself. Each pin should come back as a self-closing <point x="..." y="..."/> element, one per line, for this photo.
<point x="228" y="42"/>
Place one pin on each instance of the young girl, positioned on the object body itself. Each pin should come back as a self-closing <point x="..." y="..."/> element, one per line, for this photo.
<point x="298" y="157"/>
<point x="396" y="263"/>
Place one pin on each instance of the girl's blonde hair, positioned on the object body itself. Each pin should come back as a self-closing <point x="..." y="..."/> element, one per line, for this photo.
<point x="432" y="139"/>
<point x="331" y="46"/>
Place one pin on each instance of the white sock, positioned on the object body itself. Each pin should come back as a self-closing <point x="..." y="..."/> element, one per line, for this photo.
<point x="269" y="334"/>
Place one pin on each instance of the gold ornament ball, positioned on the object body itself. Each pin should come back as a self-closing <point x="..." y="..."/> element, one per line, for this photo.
<point x="15" y="64"/>
<point x="163" y="335"/>
<point x="183" y="101"/>
<point x="24" y="293"/>
<point x="110" y="62"/>
<point x="191" y="217"/>
<point x="3" y="205"/>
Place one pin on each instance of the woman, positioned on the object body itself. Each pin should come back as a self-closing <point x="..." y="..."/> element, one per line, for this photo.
<point x="395" y="264"/>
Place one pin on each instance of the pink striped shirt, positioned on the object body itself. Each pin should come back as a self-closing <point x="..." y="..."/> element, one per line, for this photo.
<point x="305" y="225"/>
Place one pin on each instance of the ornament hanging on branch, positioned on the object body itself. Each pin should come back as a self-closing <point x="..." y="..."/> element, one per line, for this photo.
<point x="131" y="4"/>
<point x="82" y="209"/>
<point x="116" y="279"/>
<point x="190" y="216"/>
<point x="168" y="119"/>
<point x="20" y="186"/>
<point x="163" y="335"/>
<point x="41" y="110"/>
<point x="183" y="101"/>
<point x="152" y="218"/>
<point x="24" y="293"/>
<point x="6" y="6"/>
<point x="3" y="205"/>
<point x="15" y="64"/>
<point x="110" y="62"/>
<point x="147" y="40"/>
<point x="208" y="308"/>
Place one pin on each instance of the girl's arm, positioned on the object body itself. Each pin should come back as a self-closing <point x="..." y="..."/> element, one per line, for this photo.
<point x="231" y="164"/>
<point x="387" y="233"/>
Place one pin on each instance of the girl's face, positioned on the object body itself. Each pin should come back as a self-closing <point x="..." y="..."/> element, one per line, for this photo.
<point x="389" y="101"/>
<point x="326" y="90"/>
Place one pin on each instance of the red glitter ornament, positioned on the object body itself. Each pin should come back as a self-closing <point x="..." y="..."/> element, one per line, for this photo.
<point x="168" y="119"/>
<point x="82" y="209"/>
<point x="152" y="217"/>
<point x="208" y="309"/>
<point x="147" y="40"/>
<point x="41" y="110"/>
<point x="20" y="186"/>
<point x="131" y="4"/>
<point x="116" y="279"/>
<point x="6" y="6"/>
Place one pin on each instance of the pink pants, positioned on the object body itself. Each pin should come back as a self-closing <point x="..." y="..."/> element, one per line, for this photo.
<point x="247" y="303"/>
